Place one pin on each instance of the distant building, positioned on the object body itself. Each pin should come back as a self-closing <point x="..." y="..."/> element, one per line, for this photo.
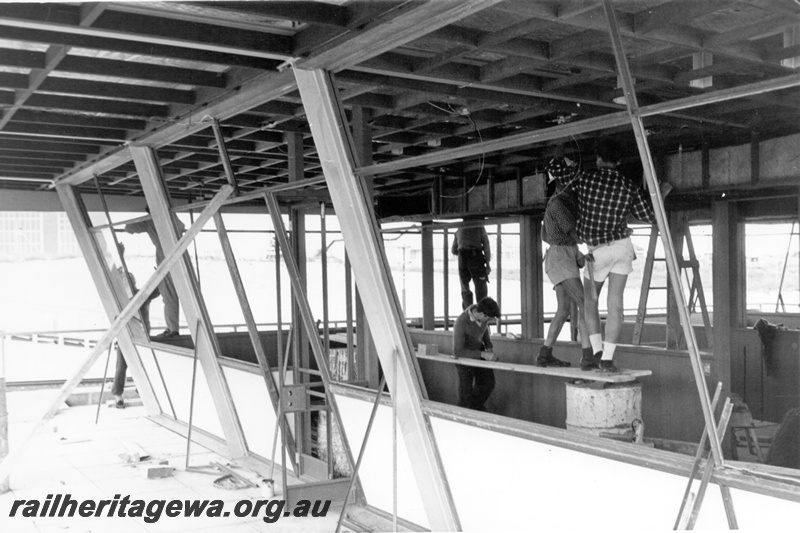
<point x="27" y="235"/>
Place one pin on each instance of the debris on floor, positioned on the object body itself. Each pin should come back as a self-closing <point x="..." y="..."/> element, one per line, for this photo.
<point x="156" y="471"/>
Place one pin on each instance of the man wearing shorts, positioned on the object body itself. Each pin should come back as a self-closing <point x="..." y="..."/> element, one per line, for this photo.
<point x="605" y="200"/>
<point x="562" y="263"/>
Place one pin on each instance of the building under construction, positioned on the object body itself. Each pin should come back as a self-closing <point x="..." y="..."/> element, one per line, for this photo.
<point x="375" y="123"/>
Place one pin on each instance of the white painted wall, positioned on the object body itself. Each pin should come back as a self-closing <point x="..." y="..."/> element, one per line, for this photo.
<point x="248" y="391"/>
<point x="506" y="483"/>
<point x="177" y="372"/>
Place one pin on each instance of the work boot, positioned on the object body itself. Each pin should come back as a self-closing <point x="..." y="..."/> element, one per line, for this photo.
<point x="608" y="367"/>
<point x="590" y="361"/>
<point x="166" y="334"/>
<point x="546" y="358"/>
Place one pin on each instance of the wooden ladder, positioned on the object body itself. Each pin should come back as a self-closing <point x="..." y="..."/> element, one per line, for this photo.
<point x="696" y="294"/>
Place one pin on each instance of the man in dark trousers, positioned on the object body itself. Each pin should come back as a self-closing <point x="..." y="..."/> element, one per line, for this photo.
<point x="120" y="377"/>
<point x="471" y="340"/>
<point x="471" y="245"/>
<point x="166" y="287"/>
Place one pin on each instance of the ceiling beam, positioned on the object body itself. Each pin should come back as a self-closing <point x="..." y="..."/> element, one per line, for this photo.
<point x="89" y="105"/>
<point x="371" y="40"/>
<point x="16" y="142"/>
<point x="72" y="119"/>
<point x="142" y="71"/>
<point x="582" y="126"/>
<point x="674" y="13"/>
<point x="303" y="12"/>
<point x="408" y="22"/>
<point x="24" y="16"/>
<point x="129" y="46"/>
<point x="119" y="90"/>
<point x="53" y="57"/>
<point x="768" y="26"/>
<point x="682" y="37"/>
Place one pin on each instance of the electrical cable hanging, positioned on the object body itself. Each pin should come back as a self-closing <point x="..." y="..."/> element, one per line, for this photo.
<point x="482" y="159"/>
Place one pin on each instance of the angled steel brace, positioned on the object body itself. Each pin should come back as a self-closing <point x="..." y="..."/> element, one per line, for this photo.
<point x="690" y="514"/>
<point x="698" y="456"/>
<point x="666" y="238"/>
<point x="223" y="155"/>
<point x="663" y="227"/>
<point x="307" y="318"/>
<point x="191" y="298"/>
<point x="361" y="451"/>
<point x="372" y="274"/>
<point x="252" y="329"/>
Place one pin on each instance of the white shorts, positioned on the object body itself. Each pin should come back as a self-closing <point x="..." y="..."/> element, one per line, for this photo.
<point x="615" y="257"/>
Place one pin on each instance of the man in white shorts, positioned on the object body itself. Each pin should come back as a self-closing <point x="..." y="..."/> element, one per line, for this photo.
<point x="605" y="200"/>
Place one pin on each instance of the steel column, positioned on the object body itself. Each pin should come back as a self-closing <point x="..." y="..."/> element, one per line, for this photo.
<point x="372" y="274"/>
<point x="190" y="297"/>
<point x="446" y="278"/>
<point x="428" y="283"/>
<point x="531" y="277"/>
<point x="365" y="348"/>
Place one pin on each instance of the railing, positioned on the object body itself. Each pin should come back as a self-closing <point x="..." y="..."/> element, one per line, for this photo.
<point x="87" y="338"/>
<point x="59" y="337"/>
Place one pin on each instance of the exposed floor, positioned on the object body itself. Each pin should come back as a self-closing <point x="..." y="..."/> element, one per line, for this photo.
<point x="75" y="456"/>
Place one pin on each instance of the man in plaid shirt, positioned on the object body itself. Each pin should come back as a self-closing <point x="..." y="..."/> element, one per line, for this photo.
<point x="605" y="200"/>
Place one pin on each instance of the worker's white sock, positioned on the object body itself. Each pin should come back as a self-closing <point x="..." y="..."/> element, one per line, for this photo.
<point x="596" y="340"/>
<point x="608" y="350"/>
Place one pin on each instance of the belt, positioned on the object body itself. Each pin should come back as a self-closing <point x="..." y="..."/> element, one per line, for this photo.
<point x="607" y="243"/>
<point x="470" y="251"/>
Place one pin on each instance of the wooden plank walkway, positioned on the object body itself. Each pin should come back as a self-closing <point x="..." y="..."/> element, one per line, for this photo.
<point x="564" y="372"/>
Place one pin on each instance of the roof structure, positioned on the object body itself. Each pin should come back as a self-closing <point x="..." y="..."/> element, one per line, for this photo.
<point x="80" y="81"/>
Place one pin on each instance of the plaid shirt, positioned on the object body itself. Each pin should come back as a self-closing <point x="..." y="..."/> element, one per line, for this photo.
<point x="605" y="199"/>
<point x="560" y="220"/>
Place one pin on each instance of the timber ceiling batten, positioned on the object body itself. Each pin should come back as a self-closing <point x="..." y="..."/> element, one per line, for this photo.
<point x="80" y="81"/>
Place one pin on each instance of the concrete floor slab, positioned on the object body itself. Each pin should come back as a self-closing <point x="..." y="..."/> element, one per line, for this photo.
<point x="75" y="456"/>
